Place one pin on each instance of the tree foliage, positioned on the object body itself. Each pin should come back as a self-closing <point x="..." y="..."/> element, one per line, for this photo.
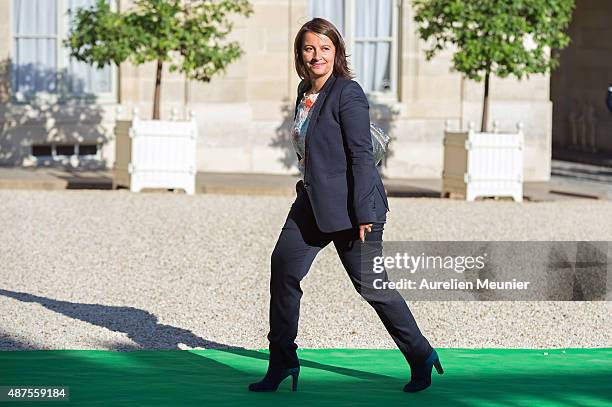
<point x="189" y="35"/>
<point x="502" y="37"/>
<point x="158" y="30"/>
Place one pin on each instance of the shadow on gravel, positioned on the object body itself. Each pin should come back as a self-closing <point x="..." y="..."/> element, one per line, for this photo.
<point x="9" y="342"/>
<point x="140" y="326"/>
<point x="143" y="328"/>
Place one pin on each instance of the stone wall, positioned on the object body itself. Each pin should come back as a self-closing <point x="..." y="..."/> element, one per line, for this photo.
<point x="245" y="114"/>
<point x="578" y="87"/>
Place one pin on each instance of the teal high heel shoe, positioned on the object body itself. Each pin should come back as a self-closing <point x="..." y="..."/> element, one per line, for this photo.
<point x="273" y="379"/>
<point x="420" y="376"/>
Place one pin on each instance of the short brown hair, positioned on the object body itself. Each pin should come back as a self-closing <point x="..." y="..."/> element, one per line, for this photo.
<point x="322" y="26"/>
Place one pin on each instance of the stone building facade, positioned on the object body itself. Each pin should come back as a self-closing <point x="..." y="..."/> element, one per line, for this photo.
<point x="244" y="115"/>
<point x="582" y="125"/>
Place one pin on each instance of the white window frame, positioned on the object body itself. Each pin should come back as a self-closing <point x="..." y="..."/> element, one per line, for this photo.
<point x="62" y="53"/>
<point x="392" y="95"/>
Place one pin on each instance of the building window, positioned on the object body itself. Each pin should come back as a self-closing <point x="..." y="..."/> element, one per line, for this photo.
<point x="370" y="30"/>
<point x="41" y="65"/>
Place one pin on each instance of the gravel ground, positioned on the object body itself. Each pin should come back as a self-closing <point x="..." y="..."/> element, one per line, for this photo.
<point x="117" y="270"/>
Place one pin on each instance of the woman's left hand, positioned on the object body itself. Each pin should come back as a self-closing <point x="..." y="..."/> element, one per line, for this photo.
<point x="363" y="229"/>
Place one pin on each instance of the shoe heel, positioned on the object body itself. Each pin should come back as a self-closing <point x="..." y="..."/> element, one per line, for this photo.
<point x="438" y="366"/>
<point x="294" y="380"/>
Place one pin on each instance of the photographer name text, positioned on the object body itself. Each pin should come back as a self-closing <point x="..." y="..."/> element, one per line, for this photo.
<point x="452" y="284"/>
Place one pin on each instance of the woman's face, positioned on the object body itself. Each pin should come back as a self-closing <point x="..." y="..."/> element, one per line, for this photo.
<point x="318" y="53"/>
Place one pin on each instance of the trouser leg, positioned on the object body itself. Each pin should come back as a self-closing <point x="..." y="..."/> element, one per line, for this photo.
<point x="388" y="304"/>
<point x="296" y="248"/>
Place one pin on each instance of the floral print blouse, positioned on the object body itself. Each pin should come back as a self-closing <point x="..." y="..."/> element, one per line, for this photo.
<point x="300" y="125"/>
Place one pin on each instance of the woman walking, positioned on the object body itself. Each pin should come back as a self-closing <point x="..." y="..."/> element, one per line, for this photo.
<point x="340" y="199"/>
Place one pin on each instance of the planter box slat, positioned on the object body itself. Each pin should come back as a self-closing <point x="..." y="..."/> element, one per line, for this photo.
<point x="483" y="164"/>
<point x="155" y="154"/>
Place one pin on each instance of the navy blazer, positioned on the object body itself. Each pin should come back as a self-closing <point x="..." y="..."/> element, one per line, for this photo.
<point x="340" y="177"/>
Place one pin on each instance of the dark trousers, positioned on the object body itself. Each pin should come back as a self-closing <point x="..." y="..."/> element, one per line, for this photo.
<point x="298" y="244"/>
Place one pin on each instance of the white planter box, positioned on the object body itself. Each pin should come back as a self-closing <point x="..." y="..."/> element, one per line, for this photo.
<point x="483" y="164"/>
<point x="155" y="154"/>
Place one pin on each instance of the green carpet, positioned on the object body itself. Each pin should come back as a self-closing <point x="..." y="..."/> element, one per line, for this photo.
<point x="491" y="377"/>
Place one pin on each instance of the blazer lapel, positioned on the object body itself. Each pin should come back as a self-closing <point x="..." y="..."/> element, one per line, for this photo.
<point x="300" y="90"/>
<point x="316" y="108"/>
<point x="302" y="87"/>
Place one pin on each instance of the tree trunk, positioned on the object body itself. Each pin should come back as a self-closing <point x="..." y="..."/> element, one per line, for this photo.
<point x="157" y="95"/>
<point x="485" y="105"/>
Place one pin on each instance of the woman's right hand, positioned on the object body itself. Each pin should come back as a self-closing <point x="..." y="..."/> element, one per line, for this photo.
<point x="363" y="229"/>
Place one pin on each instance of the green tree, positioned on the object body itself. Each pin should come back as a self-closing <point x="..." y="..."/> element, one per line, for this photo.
<point x="495" y="37"/>
<point x="189" y="35"/>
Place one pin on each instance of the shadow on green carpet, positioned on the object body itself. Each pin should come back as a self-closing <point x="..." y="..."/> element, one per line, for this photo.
<point x="493" y="377"/>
